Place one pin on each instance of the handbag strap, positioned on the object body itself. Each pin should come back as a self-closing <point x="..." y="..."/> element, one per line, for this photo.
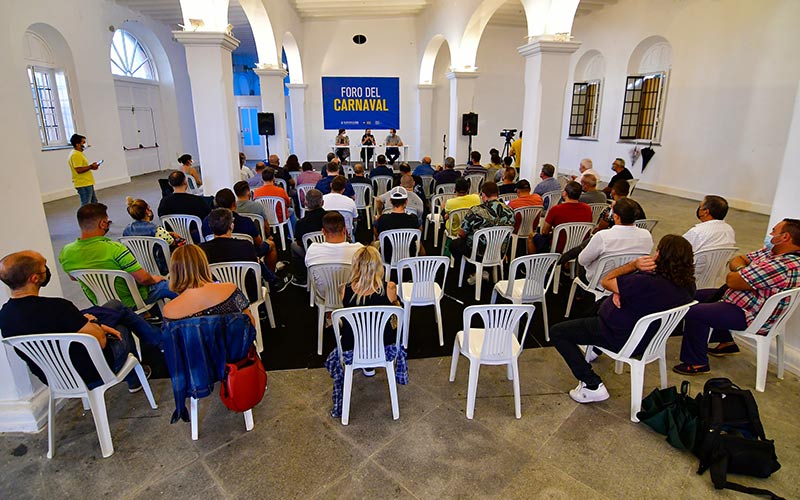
<point x="751" y="491"/>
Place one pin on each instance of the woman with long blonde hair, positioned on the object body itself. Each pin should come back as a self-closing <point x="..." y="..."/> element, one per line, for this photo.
<point x="198" y="293"/>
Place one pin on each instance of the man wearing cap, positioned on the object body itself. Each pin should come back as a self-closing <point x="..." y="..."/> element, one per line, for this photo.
<point x="414" y="202"/>
<point x="396" y="219"/>
<point x="524" y="199"/>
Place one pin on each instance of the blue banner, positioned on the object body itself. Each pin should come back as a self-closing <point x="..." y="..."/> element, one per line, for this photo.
<point x="361" y="102"/>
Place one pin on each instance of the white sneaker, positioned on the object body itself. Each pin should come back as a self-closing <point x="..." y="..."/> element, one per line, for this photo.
<point x="485" y="275"/>
<point x="583" y="395"/>
<point x="471" y="280"/>
<point x="368" y="372"/>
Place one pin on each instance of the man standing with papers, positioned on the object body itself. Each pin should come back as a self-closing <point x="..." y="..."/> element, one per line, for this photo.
<point x="82" y="177"/>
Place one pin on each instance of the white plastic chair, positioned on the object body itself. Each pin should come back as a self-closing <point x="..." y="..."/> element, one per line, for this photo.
<point x="308" y="239"/>
<point x="236" y="272"/>
<point x="427" y="184"/>
<point x="50" y="352"/>
<point x="348" y="223"/>
<point x="348" y="171"/>
<point x="143" y="249"/>
<point x="597" y="210"/>
<point x="527" y="216"/>
<point x="324" y="282"/>
<point x="632" y="183"/>
<point x="364" y="200"/>
<point x="505" y="198"/>
<point x="302" y="189"/>
<point x="460" y="168"/>
<point x="424" y="288"/>
<point x="454" y="217"/>
<point x="381" y="184"/>
<point x="273" y="204"/>
<point x="575" y="233"/>
<point x="295" y="175"/>
<point x="435" y="216"/>
<point x="497" y="343"/>
<point x="532" y="288"/>
<point x="550" y="199"/>
<point x="182" y="224"/>
<point x="401" y="242"/>
<point x="492" y="254"/>
<point x="776" y="331"/>
<point x="655" y="350"/>
<point x="605" y="264"/>
<point x="243" y="237"/>
<point x="648" y="224"/>
<point x="709" y="265"/>
<point x="258" y="221"/>
<point x="446" y="188"/>
<point x="281" y="183"/>
<point x="475" y="182"/>
<point x="367" y="325"/>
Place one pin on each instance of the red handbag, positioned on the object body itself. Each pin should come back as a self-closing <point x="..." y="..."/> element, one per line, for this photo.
<point x="244" y="383"/>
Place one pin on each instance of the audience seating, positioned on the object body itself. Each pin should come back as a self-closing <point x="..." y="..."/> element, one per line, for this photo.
<point x="325" y="281"/>
<point x="435" y="216"/>
<point x="492" y="254"/>
<point x="497" y="343"/>
<point x="272" y="204"/>
<point x="295" y="175"/>
<point x="776" y="331"/>
<point x="605" y="264"/>
<point x="648" y="224"/>
<point x="427" y="185"/>
<point x="50" y="352"/>
<point x="475" y="182"/>
<point x="709" y="265"/>
<point x="446" y="188"/>
<point x="182" y="224"/>
<point x="655" y="350"/>
<point x="455" y="217"/>
<point x="367" y="324"/>
<point x="143" y="249"/>
<point x="364" y="200"/>
<point x="258" y="221"/>
<point x="527" y="216"/>
<point x="381" y="184"/>
<point x="575" y="233"/>
<point x="597" y="210"/>
<point x="302" y="189"/>
<point x="401" y="241"/>
<point x="532" y="287"/>
<point x="281" y="184"/>
<point x="505" y="198"/>
<point x="425" y="289"/>
<point x="632" y="183"/>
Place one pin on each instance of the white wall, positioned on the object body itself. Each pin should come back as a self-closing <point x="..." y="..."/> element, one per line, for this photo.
<point x="729" y="102"/>
<point x="440" y="113"/>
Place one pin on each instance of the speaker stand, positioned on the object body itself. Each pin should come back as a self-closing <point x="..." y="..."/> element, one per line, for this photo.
<point x="469" y="150"/>
<point x="266" y="139"/>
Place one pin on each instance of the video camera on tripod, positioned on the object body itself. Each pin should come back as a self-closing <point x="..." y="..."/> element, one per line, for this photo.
<point x="508" y="134"/>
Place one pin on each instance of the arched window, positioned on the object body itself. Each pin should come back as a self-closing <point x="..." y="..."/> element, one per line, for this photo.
<point x="130" y="58"/>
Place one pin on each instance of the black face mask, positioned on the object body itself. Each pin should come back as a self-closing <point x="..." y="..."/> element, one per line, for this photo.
<point x="47" y="276"/>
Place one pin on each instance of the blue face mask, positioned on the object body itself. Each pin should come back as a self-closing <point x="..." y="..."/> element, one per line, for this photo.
<point x="768" y="243"/>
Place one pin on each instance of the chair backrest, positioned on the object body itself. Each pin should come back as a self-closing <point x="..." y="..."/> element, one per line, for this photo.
<point x="597" y="211"/>
<point x="363" y="194"/>
<point x="455" y="218"/>
<point x="495" y="238"/>
<point x="550" y="199"/>
<point x="709" y="265"/>
<point x="182" y="224"/>
<point x="632" y="183"/>
<point x="438" y="201"/>
<point x="381" y="183"/>
<point x="236" y="272"/>
<point x="669" y="320"/>
<point x="325" y="280"/>
<point x="273" y="204"/>
<point x="348" y="171"/>
<point x="258" y="221"/>
<point x="648" y="224"/>
<point x="424" y="271"/>
<point x="295" y="175"/>
<point x="500" y="325"/>
<point x="367" y="324"/>
<point x="427" y="184"/>
<point x="242" y="236"/>
<point x="608" y="263"/>
<point x="575" y="233"/>
<point x="50" y="352"/>
<point x="538" y="275"/>
<point x="348" y="223"/>
<point x="460" y="168"/>
<point x="563" y="180"/>
<point x="302" y="189"/>
<point x="143" y="249"/>
<point x="312" y="237"/>
<point x="774" y="313"/>
<point x="101" y="283"/>
<point x="400" y="241"/>
<point x="446" y="187"/>
<point x="527" y="216"/>
<point x="475" y="182"/>
<point x="281" y="183"/>
<point x="508" y="197"/>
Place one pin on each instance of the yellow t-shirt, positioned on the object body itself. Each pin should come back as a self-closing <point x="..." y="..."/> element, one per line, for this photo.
<point x="516" y="147"/>
<point x="467" y="201"/>
<point x="78" y="159"/>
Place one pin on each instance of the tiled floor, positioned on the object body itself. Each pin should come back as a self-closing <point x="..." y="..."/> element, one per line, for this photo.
<point x="559" y="449"/>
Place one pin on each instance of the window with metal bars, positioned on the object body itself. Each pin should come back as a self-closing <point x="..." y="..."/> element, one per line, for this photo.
<point x="643" y="107"/>
<point x="585" y="108"/>
<point x="51" y="105"/>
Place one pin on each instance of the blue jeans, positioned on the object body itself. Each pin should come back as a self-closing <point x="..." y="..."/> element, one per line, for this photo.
<point x="86" y="194"/>
<point x="159" y="291"/>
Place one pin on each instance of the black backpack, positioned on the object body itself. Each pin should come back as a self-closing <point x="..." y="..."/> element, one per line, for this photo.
<point x="730" y="437"/>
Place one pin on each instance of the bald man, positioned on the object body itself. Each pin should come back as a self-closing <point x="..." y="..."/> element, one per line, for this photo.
<point x="26" y="313"/>
<point x="424" y="168"/>
<point x="282" y="173"/>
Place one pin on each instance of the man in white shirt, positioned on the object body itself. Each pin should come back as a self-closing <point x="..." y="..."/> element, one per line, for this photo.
<point x="586" y="168"/>
<point x="335" y="249"/>
<point x="245" y="172"/>
<point x="336" y="199"/>
<point x="712" y="231"/>
<point x="623" y="237"/>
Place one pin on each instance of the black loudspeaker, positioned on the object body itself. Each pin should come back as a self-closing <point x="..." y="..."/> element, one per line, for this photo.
<point x="469" y="124"/>
<point x="266" y="124"/>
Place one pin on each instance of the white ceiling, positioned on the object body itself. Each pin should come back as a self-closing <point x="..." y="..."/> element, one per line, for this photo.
<point x="169" y="12"/>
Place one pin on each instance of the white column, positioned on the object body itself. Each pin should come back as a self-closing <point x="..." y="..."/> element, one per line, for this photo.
<point x="462" y="97"/>
<point x="297" y="100"/>
<point x="208" y="60"/>
<point x="424" y="117"/>
<point x="546" y="73"/>
<point x="273" y="101"/>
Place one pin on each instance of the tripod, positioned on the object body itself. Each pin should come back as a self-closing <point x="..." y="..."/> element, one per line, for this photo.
<point x="506" y="147"/>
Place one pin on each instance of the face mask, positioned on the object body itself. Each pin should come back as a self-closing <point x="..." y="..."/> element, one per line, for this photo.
<point x="697" y="213"/>
<point x="768" y="243"/>
<point x="47" y="276"/>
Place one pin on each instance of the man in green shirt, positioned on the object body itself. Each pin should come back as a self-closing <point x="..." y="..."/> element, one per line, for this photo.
<point x="94" y="251"/>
